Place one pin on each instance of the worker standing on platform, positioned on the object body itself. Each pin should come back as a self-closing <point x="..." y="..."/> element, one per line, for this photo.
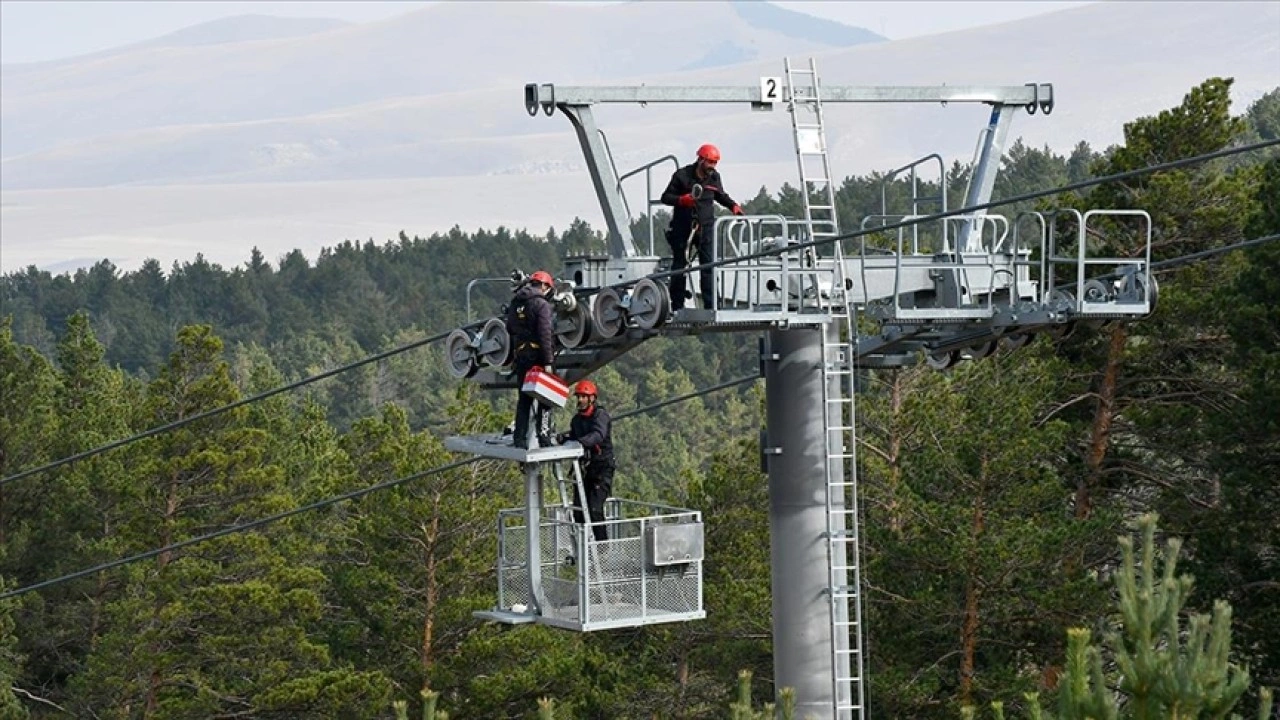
<point x="529" y="321"/>
<point x="693" y="220"/>
<point x="592" y="428"/>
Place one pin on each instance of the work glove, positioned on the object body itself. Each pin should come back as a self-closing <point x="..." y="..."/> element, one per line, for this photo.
<point x="737" y="210"/>
<point x="563" y="438"/>
<point x="686" y="201"/>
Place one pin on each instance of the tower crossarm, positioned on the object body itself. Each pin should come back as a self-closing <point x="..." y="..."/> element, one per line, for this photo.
<point x="548" y="96"/>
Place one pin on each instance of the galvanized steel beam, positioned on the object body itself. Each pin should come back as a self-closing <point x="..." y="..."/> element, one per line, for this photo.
<point x="548" y="95"/>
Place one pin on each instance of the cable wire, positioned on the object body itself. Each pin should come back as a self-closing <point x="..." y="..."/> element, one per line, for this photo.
<point x="688" y="396"/>
<point x="672" y="273"/>
<point x="1173" y="263"/>
<point x="234" y="529"/>
<point x="1171" y="165"/>
<point x="261" y="522"/>
<point x="219" y="410"/>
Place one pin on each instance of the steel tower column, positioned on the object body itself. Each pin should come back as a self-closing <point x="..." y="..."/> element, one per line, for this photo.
<point x="797" y="460"/>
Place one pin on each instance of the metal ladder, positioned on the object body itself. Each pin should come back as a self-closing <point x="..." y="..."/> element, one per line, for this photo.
<point x="844" y="569"/>
<point x="811" y="150"/>
<point x="581" y="533"/>
<point x="566" y="495"/>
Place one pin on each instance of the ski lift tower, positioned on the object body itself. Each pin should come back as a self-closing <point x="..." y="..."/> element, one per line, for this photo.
<point x="978" y="282"/>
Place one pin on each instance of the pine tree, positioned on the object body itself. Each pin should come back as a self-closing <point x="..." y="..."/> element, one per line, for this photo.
<point x="1163" y="670"/>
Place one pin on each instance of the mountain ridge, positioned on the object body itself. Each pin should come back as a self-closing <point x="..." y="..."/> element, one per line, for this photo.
<point x="248" y="27"/>
<point x="471" y="156"/>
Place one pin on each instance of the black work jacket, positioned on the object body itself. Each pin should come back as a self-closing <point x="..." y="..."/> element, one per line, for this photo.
<point x="594" y="433"/>
<point x="682" y="182"/>
<point x="529" y="322"/>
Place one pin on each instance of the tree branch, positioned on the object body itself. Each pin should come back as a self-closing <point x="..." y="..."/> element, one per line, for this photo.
<point x="35" y="698"/>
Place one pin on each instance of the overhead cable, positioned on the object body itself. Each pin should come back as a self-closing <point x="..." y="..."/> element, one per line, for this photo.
<point x="243" y="527"/>
<point x="219" y="410"/>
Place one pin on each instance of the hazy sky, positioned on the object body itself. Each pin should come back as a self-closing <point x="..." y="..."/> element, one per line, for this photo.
<point x="35" y="30"/>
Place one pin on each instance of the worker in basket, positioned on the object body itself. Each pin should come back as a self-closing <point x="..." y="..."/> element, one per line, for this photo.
<point x="592" y="428"/>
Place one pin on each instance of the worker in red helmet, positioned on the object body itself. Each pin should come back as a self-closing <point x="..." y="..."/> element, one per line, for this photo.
<point x="529" y="322"/>
<point x="592" y="428"/>
<point x="693" y="220"/>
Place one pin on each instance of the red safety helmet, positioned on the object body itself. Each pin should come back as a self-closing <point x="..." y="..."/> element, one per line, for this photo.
<point x="585" y="387"/>
<point x="543" y="277"/>
<point x="709" y="152"/>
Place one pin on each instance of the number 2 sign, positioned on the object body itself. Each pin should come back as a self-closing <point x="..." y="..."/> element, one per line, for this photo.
<point x="770" y="89"/>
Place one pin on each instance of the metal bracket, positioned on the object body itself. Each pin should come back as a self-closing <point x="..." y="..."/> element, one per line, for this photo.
<point x="766" y="451"/>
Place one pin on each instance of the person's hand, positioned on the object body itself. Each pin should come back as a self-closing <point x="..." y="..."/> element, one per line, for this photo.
<point x="737" y="210"/>
<point x="686" y="201"/>
<point x="562" y="438"/>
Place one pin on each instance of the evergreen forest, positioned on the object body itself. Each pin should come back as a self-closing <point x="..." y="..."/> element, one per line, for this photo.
<point x="993" y="493"/>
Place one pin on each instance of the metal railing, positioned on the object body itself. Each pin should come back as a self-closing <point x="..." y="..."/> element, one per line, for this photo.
<point x="592" y="585"/>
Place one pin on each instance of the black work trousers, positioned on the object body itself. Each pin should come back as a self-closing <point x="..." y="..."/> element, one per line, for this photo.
<point x="598" y="479"/>
<point x="532" y="417"/>
<point x="680" y="260"/>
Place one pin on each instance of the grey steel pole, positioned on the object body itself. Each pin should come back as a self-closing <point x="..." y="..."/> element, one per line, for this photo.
<point x="533" y="526"/>
<point x="797" y="518"/>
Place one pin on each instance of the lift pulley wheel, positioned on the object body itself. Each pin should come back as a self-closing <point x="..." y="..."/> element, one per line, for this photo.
<point x="981" y="350"/>
<point x="942" y="360"/>
<point x="573" y="328"/>
<point x="650" y="304"/>
<point x="495" y="343"/>
<point x="1015" y="341"/>
<point x="1096" y="291"/>
<point x="460" y="354"/>
<point x="609" y="314"/>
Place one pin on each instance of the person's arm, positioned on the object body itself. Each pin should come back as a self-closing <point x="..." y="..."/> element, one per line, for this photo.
<point x="723" y="198"/>
<point x="675" y="194"/>
<point x="546" y="338"/>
